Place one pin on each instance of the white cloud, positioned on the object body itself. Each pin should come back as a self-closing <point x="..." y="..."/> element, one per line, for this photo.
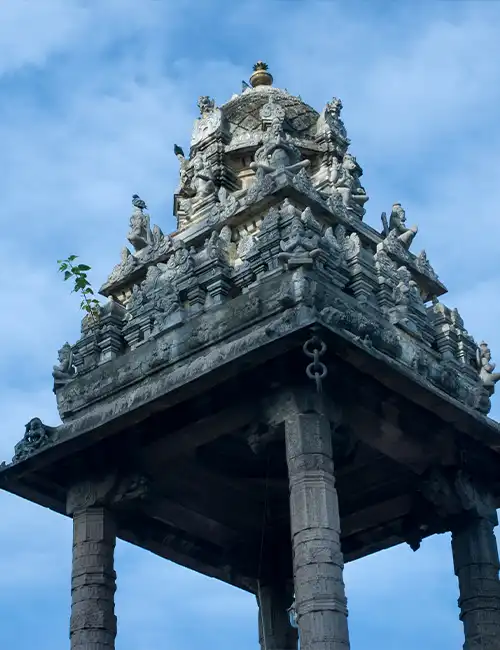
<point x="32" y="32"/>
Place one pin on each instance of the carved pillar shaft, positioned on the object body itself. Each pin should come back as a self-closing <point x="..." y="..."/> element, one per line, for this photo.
<point x="315" y="525"/>
<point x="275" y="631"/>
<point x="93" y="580"/>
<point x="475" y="557"/>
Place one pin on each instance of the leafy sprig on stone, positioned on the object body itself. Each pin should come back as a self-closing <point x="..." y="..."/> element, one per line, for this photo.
<point x="81" y="285"/>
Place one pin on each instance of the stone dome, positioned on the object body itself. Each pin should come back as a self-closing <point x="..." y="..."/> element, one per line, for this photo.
<point x="242" y="112"/>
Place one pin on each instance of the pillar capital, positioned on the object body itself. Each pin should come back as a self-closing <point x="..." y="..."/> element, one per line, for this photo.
<point x="105" y="491"/>
<point x="455" y="494"/>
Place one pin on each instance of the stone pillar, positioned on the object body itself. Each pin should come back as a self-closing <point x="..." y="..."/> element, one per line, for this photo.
<point x="275" y="631"/>
<point x="93" y="579"/>
<point x="475" y="558"/>
<point x="315" y="526"/>
<point x="471" y="516"/>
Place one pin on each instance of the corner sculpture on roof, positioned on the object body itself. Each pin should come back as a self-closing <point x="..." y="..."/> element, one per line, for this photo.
<point x="270" y="187"/>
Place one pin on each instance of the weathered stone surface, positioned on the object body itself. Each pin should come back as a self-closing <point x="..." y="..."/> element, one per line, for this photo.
<point x="93" y="580"/>
<point x="320" y="600"/>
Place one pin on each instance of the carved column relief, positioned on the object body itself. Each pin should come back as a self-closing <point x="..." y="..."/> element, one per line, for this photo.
<point x="475" y="557"/>
<point x="93" y="579"/>
<point x="275" y="631"/>
<point x="315" y="525"/>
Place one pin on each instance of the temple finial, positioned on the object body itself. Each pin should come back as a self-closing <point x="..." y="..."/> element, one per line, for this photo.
<point x="260" y="75"/>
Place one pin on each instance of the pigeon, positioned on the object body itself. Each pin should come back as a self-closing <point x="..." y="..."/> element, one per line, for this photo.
<point x="138" y="203"/>
<point x="178" y="150"/>
<point x="244" y="86"/>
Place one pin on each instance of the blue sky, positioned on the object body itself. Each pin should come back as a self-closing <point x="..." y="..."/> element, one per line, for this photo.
<point x="93" y="96"/>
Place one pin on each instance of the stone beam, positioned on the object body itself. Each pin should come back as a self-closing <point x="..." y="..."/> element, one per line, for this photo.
<point x="375" y="515"/>
<point x="218" y="498"/>
<point x="386" y="435"/>
<point x="184" y="549"/>
<point x="194" y="523"/>
<point x="181" y="441"/>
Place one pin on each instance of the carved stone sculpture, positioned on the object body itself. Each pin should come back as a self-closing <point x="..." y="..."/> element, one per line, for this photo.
<point x="184" y="188"/>
<point x="348" y="185"/>
<point x="333" y="110"/>
<point x="206" y="105"/>
<point x="65" y="370"/>
<point x="406" y="291"/>
<point x="140" y="234"/>
<point x="123" y="268"/>
<point x="277" y="153"/>
<point x="167" y="304"/>
<point x="397" y="226"/>
<point x="203" y="179"/>
<point x="485" y="368"/>
<point x="301" y="246"/>
<point x="36" y="436"/>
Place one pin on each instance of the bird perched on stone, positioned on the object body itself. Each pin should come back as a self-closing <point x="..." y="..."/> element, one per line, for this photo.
<point x="178" y="150"/>
<point x="138" y="203"/>
<point x="244" y="86"/>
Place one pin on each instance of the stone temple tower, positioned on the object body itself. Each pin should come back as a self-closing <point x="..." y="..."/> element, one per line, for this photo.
<point x="271" y="391"/>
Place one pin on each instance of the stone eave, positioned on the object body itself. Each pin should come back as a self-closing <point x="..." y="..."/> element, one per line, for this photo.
<point x="399" y="378"/>
<point x="134" y="403"/>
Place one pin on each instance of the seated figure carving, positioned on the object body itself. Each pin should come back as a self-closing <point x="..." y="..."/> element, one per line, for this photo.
<point x="397" y="226"/>
<point x="64" y="371"/>
<point x="277" y="154"/>
<point x="203" y="179"/>
<point x="347" y="183"/>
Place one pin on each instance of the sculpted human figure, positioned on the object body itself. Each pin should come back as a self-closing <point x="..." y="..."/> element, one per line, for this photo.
<point x="140" y="233"/>
<point x="397" y="225"/>
<point x="348" y="185"/>
<point x="203" y="178"/>
<point x="300" y="247"/>
<point x="486" y="368"/>
<point x="276" y="154"/>
<point x="64" y="371"/>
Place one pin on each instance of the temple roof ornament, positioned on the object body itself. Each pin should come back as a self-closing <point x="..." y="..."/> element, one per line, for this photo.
<point x="261" y="76"/>
<point x="269" y="199"/>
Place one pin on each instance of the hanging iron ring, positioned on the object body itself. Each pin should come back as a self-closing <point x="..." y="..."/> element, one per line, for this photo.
<point x="314" y="348"/>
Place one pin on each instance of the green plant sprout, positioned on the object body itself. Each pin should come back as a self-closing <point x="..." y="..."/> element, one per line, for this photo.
<point x="78" y="272"/>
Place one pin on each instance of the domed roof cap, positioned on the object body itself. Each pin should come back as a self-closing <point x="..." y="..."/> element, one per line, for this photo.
<point x="243" y="110"/>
